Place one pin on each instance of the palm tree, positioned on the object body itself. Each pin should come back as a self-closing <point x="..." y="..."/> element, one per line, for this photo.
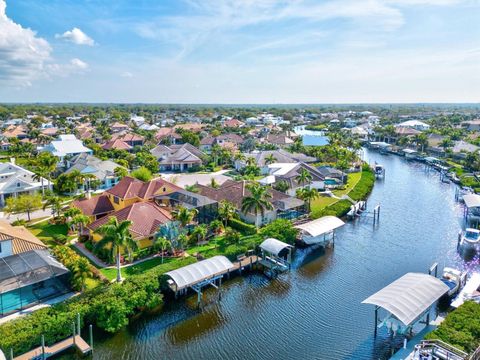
<point x="184" y="216"/>
<point x="40" y="175"/>
<point x="421" y="140"/>
<point x="308" y="195"/>
<point x="258" y="201"/>
<point x="47" y="163"/>
<point x="200" y="232"/>
<point x="80" y="221"/>
<point x="226" y="211"/>
<point x="270" y="159"/>
<point x="81" y="272"/>
<point x="304" y="177"/>
<point x="214" y="183"/>
<point x="117" y="236"/>
<point x="55" y="202"/>
<point x="251" y="161"/>
<point x="163" y="243"/>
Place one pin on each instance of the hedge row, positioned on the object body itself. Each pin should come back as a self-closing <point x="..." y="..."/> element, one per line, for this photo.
<point x="461" y="328"/>
<point x="107" y="307"/>
<point x="244" y="228"/>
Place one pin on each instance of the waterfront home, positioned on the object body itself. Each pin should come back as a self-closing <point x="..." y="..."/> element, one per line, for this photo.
<point x="178" y="157"/>
<point x="278" y="140"/>
<point x="146" y="218"/>
<point x="15" y="181"/>
<point x="461" y="148"/>
<point x="289" y="173"/>
<point x="66" y="146"/>
<point x="406" y="131"/>
<point x="263" y="158"/>
<point x="224" y="140"/>
<point x="332" y="176"/>
<point x="284" y="206"/>
<point x="28" y="272"/>
<point x="102" y="170"/>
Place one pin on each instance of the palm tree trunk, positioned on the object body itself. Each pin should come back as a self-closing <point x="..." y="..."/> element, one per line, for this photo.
<point x="119" y="274"/>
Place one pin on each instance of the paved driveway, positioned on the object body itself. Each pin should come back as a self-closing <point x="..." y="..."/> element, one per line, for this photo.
<point x="183" y="180"/>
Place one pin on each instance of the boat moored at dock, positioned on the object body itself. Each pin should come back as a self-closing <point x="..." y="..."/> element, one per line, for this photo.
<point x="469" y="237"/>
<point x="454" y="279"/>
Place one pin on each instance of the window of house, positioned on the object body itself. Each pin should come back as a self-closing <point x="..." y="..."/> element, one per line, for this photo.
<point x="0" y="247"/>
<point x="116" y="200"/>
<point x="18" y="184"/>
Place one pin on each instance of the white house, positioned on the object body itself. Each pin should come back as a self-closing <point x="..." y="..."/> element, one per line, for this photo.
<point x="15" y="180"/>
<point x="414" y="124"/>
<point x="66" y="145"/>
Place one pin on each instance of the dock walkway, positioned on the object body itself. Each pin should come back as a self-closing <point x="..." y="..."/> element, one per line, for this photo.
<point x="63" y="345"/>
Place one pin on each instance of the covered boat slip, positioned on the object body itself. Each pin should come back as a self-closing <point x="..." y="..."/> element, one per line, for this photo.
<point x="472" y="206"/>
<point x="320" y="231"/>
<point x="407" y="300"/>
<point x="276" y="255"/>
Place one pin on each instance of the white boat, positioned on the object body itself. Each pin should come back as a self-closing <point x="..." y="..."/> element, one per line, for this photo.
<point x="469" y="292"/>
<point x="379" y="170"/>
<point x="454" y="279"/>
<point x="470" y="237"/>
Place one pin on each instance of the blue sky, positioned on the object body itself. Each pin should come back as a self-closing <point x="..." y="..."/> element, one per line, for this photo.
<point x="234" y="51"/>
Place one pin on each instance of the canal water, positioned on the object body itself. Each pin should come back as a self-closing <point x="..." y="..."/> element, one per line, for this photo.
<point x="315" y="311"/>
<point x="311" y="137"/>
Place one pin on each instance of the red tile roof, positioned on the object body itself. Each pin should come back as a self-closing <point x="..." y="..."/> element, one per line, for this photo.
<point x="95" y="206"/>
<point x="130" y="187"/>
<point x="116" y="144"/>
<point x="146" y="218"/>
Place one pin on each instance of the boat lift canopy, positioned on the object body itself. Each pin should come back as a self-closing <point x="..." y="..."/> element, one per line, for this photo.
<point x="321" y="226"/>
<point x="274" y="246"/>
<point x="201" y="272"/>
<point x="409" y="297"/>
<point x="380" y="144"/>
<point x="471" y="200"/>
<point x="409" y="151"/>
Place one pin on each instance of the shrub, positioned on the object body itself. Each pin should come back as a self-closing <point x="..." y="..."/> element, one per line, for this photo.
<point x="60" y="238"/>
<point x="231" y="236"/>
<point x="19" y="222"/>
<point x="280" y="229"/>
<point x="244" y="228"/>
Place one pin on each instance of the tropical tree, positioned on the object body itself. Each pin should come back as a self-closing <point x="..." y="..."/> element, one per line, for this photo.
<point x="421" y="140"/>
<point x="216" y="226"/>
<point x="200" y="232"/>
<point x="163" y="243"/>
<point x="184" y="216"/>
<point x="55" y="203"/>
<point x="213" y="183"/>
<point x="281" y="186"/>
<point x="116" y="236"/>
<point x="142" y="174"/>
<point x="82" y="270"/>
<point x="258" y="201"/>
<point x="120" y="172"/>
<point x="226" y="211"/>
<point x="270" y="159"/>
<point x="304" y="177"/>
<point x="80" y="221"/>
<point x="308" y="195"/>
<point x="23" y="204"/>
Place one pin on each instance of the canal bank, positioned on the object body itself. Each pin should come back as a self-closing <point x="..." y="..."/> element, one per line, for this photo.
<point x="315" y="311"/>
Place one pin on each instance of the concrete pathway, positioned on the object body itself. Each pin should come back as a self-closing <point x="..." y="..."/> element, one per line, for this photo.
<point x="85" y="252"/>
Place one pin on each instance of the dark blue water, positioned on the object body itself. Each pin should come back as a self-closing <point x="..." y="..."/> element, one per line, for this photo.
<point x="310" y="137"/>
<point x="315" y="311"/>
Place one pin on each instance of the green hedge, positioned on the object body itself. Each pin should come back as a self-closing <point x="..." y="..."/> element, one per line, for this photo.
<point x="461" y="328"/>
<point x="244" y="228"/>
<point x="108" y="307"/>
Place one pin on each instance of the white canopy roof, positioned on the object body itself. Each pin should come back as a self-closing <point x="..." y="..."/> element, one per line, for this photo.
<point x="409" y="151"/>
<point x="273" y="246"/>
<point x="408" y="297"/>
<point x="472" y="200"/>
<point x="194" y="273"/>
<point x="321" y="226"/>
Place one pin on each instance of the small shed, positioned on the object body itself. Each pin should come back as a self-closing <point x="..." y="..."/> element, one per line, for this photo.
<point x="320" y="230"/>
<point x="407" y="300"/>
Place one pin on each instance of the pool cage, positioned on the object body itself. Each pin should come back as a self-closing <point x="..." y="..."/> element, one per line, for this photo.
<point x="28" y="278"/>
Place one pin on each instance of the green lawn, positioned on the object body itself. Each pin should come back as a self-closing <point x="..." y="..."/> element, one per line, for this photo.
<point x="45" y="231"/>
<point x="111" y="273"/>
<point x="323" y="201"/>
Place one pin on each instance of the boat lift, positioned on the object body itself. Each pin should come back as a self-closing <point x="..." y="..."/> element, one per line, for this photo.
<point x="276" y="256"/>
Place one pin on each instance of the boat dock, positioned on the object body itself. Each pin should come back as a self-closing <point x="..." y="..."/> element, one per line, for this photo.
<point x="468" y="290"/>
<point x="44" y="352"/>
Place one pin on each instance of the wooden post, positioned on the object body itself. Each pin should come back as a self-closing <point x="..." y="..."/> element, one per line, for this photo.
<point x="73" y="332"/>
<point x="11" y="353"/>
<point x="43" y="347"/>
<point x="78" y="324"/>
<point x="90" y="328"/>
<point x="376" y="320"/>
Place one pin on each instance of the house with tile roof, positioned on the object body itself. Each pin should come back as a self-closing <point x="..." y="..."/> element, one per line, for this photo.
<point x="224" y="140"/>
<point x="116" y="144"/>
<point x="178" y="157"/>
<point x="284" y="206"/>
<point x="280" y="156"/>
<point x="131" y="139"/>
<point x="17" y="239"/>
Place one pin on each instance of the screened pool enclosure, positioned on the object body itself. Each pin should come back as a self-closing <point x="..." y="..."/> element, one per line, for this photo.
<point x="29" y="278"/>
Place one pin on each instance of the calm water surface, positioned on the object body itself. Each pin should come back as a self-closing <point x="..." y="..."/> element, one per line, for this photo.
<point x="315" y="311"/>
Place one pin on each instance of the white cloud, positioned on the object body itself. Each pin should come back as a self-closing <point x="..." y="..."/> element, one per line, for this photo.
<point x="75" y="66"/>
<point x="126" y="74"/>
<point x="22" y="53"/>
<point x="76" y="36"/>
